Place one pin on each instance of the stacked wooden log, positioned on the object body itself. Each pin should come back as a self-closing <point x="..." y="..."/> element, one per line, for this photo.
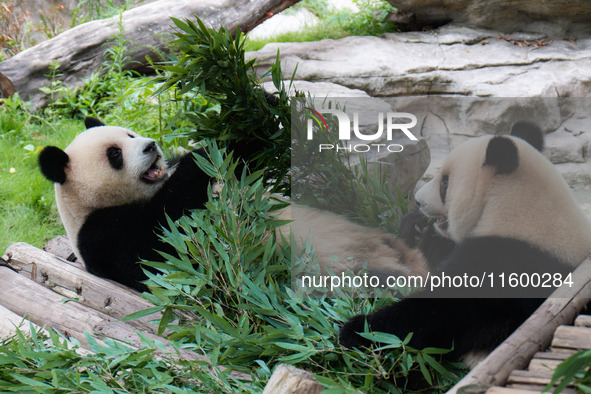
<point x="45" y="288"/>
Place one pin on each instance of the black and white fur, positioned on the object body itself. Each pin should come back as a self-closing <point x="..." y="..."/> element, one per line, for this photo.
<point x="501" y="207"/>
<point x="114" y="189"/>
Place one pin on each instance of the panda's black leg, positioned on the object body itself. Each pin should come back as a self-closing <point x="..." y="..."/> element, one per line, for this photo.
<point x="425" y="318"/>
<point x="464" y="324"/>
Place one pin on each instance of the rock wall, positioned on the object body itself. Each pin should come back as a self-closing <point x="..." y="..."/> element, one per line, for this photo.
<point x="467" y="66"/>
<point x="556" y="17"/>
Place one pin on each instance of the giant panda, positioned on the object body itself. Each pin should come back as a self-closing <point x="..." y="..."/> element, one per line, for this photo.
<point x="500" y="206"/>
<point x="114" y="190"/>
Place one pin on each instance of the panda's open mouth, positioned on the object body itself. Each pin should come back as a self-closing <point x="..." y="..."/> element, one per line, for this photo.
<point x="156" y="173"/>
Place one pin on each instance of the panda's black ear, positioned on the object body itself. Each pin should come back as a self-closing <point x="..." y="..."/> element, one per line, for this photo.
<point x="529" y="132"/>
<point x="52" y="162"/>
<point x="502" y="154"/>
<point x="90" y="122"/>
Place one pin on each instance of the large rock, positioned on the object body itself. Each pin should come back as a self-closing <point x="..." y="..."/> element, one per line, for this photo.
<point x="455" y="79"/>
<point x="555" y="16"/>
<point x="452" y="60"/>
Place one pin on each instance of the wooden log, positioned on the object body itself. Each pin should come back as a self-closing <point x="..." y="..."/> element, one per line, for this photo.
<point x="529" y="377"/>
<point x="79" y="51"/>
<point x="570" y="337"/>
<point x="10" y="321"/>
<point x="532" y="380"/>
<point x="289" y="379"/>
<point x="6" y="87"/>
<point x="108" y="297"/>
<point x="61" y="247"/>
<point x="25" y="297"/>
<point x="505" y="390"/>
<point x="561" y="356"/>
<point x="47" y="308"/>
<point x="543" y="365"/>
<point x="524" y="390"/>
<point x="583" y="321"/>
<point x="534" y="334"/>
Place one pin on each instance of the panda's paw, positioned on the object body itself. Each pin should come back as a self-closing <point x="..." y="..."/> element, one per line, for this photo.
<point x="348" y="334"/>
<point x="413" y="227"/>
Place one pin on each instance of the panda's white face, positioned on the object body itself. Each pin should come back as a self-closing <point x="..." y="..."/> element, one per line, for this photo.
<point x="457" y="192"/>
<point x="111" y="166"/>
<point x="519" y="195"/>
<point x="103" y="167"/>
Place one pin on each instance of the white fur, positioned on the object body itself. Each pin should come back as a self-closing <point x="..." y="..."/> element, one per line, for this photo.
<point x="532" y="204"/>
<point x="91" y="183"/>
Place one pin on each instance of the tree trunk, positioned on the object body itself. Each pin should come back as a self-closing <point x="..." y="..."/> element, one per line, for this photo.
<point x="79" y="51"/>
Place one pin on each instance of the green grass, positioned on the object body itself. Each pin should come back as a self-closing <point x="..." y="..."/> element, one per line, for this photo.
<point x="27" y="203"/>
<point x="369" y="21"/>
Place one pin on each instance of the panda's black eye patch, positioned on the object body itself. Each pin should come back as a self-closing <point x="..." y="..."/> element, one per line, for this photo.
<point x="443" y="187"/>
<point x="115" y="157"/>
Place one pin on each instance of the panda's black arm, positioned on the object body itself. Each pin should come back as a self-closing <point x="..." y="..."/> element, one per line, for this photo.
<point x="113" y="240"/>
<point x="185" y="189"/>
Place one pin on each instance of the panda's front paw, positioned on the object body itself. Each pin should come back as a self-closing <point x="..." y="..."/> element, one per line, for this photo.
<point x="348" y="334"/>
<point x="413" y="227"/>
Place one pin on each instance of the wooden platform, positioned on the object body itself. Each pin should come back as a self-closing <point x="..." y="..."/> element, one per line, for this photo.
<point x="567" y="341"/>
<point x="524" y="362"/>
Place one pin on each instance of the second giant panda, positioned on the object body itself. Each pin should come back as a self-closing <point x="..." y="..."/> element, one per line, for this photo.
<point x="114" y="190"/>
<point x="500" y="207"/>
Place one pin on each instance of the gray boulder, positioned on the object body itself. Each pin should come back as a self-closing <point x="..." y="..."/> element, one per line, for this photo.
<point x="550" y="17"/>
<point x="456" y="78"/>
<point x="452" y="60"/>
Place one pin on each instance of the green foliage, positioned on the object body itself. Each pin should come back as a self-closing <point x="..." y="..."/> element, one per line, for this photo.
<point x="212" y="64"/>
<point x="233" y="275"/>
<point x="574" y="371"/>
<point x="334" y="24"/>
<point x="120" y="96"/>
<point x="230" y="284"/>
<point x="230" y="287"/>
<point x="15" y="29"/>
<point x="27" y="202"/>
<point x="45" y="362"/>
<point x="90" y="10"/>
<point x="101" y="92"/>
